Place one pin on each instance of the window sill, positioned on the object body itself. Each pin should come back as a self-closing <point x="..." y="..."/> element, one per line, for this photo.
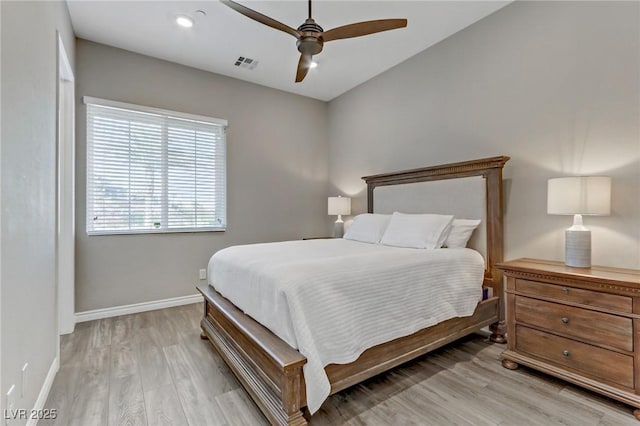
<point x="154" y="231"/>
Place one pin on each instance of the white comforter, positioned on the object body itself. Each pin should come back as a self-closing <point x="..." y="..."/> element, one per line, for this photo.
<point x="333" y="299"/>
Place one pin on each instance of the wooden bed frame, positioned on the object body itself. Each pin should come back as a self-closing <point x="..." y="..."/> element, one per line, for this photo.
<point x="271" y="370"/>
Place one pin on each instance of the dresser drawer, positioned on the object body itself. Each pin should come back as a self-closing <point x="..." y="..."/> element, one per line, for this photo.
<point x="582" y="324"/>
<point x="576" y="295"/>
<point x="583" y="358"/>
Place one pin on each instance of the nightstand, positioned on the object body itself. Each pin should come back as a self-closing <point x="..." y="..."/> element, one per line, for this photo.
<point x="578" y="324"/>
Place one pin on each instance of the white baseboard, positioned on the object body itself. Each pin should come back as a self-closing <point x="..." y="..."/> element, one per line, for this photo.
<point x="44" y="391"/>
<point x="137" y="307"/>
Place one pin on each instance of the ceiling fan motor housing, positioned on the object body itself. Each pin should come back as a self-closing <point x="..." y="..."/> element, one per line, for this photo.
<point x="310" y="43"/>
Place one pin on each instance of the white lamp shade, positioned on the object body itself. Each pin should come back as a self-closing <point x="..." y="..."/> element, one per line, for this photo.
<point x="339" y="206"/>
<point x="588" y="195"/>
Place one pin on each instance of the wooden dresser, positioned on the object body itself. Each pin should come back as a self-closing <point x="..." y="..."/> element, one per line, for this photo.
<point x="579" y="324"/>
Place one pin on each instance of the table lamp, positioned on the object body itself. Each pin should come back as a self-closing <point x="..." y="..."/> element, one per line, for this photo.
<point x="577" y="196"/>
<point x="339" y="205"/>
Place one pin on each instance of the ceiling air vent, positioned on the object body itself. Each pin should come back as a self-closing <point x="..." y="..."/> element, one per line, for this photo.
<point x="243" y="62"/>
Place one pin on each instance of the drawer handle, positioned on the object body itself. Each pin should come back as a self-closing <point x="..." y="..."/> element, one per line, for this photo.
<point x="565" y="289"/>
<point x="565" y="352"/>
<point x="565" y="320"/>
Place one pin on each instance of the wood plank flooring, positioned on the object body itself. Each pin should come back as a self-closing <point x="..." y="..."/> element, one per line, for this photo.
<point x="152" y="369"/>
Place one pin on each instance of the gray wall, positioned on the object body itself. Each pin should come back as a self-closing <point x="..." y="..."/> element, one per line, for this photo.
<point x="277" y="174"/>
<point x="554" y="85"/>
<point x="28" y="164"/>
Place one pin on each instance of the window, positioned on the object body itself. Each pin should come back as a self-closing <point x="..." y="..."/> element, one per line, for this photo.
<point x="150" y="170"/>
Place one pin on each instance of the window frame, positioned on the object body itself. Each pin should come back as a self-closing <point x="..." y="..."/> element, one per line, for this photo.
<point x="88" y="100"/>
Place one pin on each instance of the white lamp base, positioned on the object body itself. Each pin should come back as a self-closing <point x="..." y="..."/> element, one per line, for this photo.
<point x="338" y="228"/>
<point x="577" y="245"/>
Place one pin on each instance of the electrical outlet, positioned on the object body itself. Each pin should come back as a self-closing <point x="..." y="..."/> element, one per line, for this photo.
<point x="23" y="379"/>
<point x="9" y="408"/>
<point x="203" y="274"/>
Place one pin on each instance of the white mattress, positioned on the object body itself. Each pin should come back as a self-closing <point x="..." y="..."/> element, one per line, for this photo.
<point x="332" y="299"/>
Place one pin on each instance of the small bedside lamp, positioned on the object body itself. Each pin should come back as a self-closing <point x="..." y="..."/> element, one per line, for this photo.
<point x="339" y="205"/>
<point x="578" y="195"/>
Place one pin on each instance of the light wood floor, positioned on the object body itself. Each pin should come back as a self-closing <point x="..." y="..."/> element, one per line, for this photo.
<point x="152" y="368"/>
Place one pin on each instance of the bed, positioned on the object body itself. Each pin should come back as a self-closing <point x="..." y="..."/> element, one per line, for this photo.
<point x="265" y="359"/>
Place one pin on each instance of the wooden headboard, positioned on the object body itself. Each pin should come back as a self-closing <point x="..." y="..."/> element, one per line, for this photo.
<point x="488" y="168"/>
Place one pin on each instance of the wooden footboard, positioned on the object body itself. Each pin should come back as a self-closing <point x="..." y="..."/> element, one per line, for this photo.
<point x="271" y="371"/>
<point x="268" y="368"/>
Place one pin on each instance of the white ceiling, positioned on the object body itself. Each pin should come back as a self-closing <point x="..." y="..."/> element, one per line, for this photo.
<point x="217" y="39"/>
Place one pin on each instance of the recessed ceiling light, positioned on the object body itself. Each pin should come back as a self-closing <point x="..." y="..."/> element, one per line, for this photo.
<point x="313" y="64"/>
<point x="184" y="21"/>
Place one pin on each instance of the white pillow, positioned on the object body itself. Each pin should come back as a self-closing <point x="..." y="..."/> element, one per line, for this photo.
<point x="368" y="228"/>
<point x="426" y="231"/>
<point x="461" y="230"/>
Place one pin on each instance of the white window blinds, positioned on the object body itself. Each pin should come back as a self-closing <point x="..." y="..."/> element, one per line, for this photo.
<point x="151" y="170"/>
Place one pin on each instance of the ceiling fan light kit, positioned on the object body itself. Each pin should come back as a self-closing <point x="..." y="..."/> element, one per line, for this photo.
<point x="311" y="37"/>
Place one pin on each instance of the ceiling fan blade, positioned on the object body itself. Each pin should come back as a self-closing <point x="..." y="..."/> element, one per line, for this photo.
<point x="363" y="28"/>
<point x="303" y="67"/>
<point x="263" y="19"/>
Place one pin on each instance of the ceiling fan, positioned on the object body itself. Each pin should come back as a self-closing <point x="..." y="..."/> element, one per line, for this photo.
<point x="311" y="37"/>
